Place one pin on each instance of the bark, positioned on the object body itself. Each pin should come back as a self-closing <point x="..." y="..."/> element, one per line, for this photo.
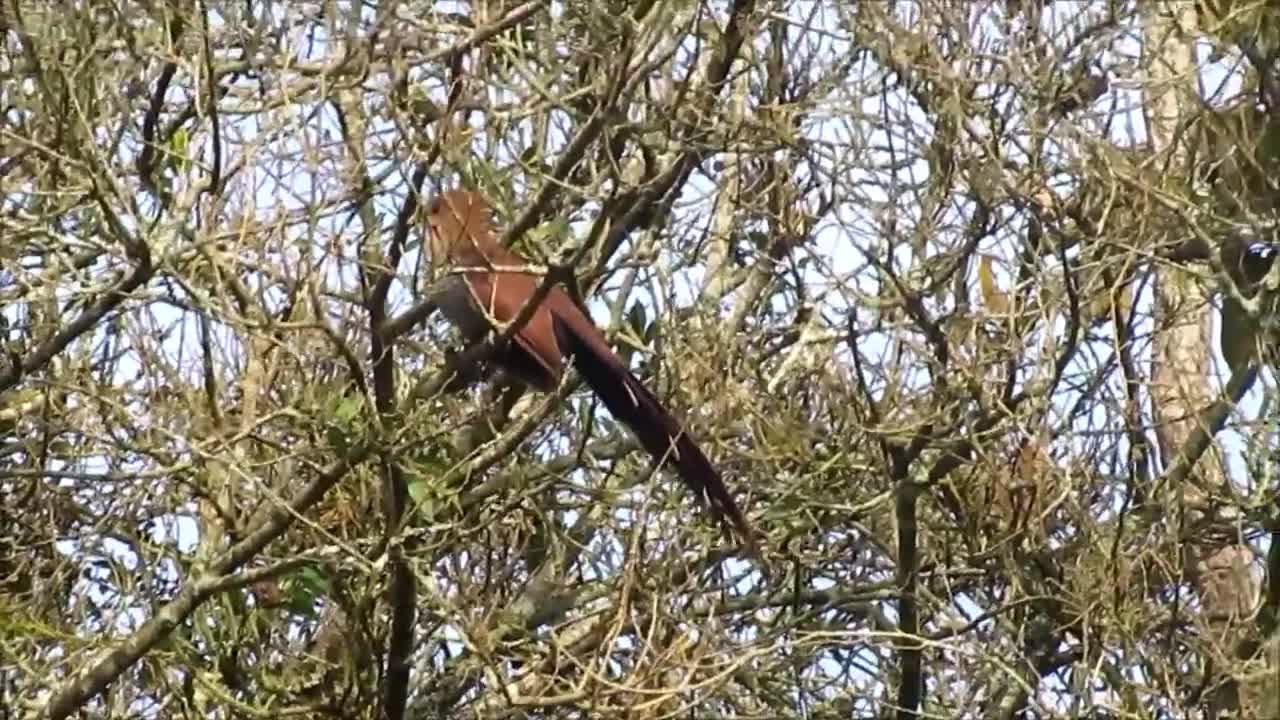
<point x="1216" y="559"/>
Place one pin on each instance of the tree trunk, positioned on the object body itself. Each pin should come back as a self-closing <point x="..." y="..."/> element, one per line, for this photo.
<point x="1216" y="559"/>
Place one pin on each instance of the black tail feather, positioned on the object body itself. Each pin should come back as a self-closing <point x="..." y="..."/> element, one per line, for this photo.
<point x="658" y="432"/>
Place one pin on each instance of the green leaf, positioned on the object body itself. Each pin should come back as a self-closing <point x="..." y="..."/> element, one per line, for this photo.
<point x="423" y="473"/>
<point x="418" y="490"/>
<point x="306" y="586"/>
<point x="545" y="237"/>
<point x="338" y="439"/>
<point x="178" y="144"/>
<point x="313" y="579"/>
<point x="529" y="156"/>
<point x="652" y="332"/>
<point x="344" y="431"/>
<point x="348" y="409"/>
<point x="637" y="317"/>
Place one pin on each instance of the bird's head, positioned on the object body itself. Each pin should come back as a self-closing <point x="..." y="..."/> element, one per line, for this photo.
<point x="460" y="232"/>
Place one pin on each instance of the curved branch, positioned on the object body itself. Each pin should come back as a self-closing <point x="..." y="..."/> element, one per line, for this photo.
<point x="93" y="679"/>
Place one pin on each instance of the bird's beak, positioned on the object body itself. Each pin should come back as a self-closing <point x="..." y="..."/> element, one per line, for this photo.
<point x="435" y="242"/>
<point x="433" y="247"/>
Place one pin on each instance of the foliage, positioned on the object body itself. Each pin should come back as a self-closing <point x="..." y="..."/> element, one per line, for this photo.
<point x="904" y="295"/>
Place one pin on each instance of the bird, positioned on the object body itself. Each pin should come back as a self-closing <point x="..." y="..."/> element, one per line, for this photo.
<point x="486" y="290"/>
<point x="1255" y="263"/>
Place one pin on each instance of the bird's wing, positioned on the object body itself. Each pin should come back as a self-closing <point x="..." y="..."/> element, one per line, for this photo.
<point x="535" y="356"/>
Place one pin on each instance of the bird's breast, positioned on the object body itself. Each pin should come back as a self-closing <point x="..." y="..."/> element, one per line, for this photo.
<point x="453" y="296"/>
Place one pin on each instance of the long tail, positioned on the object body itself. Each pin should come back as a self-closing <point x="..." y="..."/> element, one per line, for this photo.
<point x="659" y="433"/>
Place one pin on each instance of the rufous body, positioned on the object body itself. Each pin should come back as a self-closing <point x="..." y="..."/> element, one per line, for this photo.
<point x="489" y="288"/>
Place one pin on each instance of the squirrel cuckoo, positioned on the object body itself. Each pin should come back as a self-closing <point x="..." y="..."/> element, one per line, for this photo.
<point x="488" y="290"/>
